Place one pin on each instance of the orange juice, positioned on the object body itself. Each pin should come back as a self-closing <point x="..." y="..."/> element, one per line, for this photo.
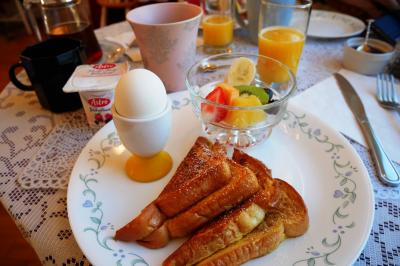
<point x="283" y="44"/>
<point x="217" y="30"/>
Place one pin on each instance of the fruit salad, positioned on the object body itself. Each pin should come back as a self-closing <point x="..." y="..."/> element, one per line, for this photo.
<point x="236" y="90"/>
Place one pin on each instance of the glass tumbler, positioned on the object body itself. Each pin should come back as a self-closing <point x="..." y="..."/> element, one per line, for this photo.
<point x="217" y="24"/>
<point x="283" y="28"/>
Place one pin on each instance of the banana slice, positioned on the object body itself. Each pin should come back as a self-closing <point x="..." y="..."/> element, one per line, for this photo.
<point x="241" y="72"/>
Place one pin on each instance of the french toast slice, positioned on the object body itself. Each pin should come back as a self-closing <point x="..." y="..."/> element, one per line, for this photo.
<point x="289" y="218"/>
<point x="149" y="220"/>
<point x="292" y="209"/>
<point x="203" y="170"/>
<point x="262" y="172"/>
<point x="244" y="184"/>
<point x="207" y="181"/>
<point x="229" y="228"/>
<point x="267" y="196"/>
<point x="195" y="161"/>
<point x="262" y="240"/>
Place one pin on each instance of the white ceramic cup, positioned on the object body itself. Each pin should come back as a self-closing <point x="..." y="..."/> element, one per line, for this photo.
<point x="166" y="35"/>
<point x="363" y="62"/>
<point x="144" y="137"/>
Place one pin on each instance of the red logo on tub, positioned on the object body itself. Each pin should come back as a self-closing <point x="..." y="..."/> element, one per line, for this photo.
<point x="104" y="66"/>
<point x="99" y="102"/>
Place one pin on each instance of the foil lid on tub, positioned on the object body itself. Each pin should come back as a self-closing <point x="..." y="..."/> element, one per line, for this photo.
<point x="97" y="77"/>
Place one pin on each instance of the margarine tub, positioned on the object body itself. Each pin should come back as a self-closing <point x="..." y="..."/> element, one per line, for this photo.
<point x="96" y="84"/>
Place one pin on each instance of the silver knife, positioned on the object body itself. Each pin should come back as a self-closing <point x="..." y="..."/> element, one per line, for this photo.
<point x="386" y="170"/>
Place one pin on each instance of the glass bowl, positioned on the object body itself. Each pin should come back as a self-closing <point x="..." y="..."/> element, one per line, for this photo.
<point x="242" y="126"/>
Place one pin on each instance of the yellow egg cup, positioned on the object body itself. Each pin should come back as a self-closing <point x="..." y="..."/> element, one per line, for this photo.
<point x="147" y="169"/>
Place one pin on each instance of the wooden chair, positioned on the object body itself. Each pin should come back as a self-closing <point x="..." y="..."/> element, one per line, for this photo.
<point x="105" y="4"/>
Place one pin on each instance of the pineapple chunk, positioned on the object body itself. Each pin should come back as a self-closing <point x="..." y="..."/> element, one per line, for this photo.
<point x="245" y="118"/>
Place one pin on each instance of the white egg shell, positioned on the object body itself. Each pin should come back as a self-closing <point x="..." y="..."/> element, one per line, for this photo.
<point x="140" y="94"/>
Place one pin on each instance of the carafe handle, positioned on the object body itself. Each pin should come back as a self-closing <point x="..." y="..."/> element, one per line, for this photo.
<point x="27" y="4"/>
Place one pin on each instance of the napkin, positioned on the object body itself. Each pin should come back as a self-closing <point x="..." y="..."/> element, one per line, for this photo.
<point x="325" y="101"/>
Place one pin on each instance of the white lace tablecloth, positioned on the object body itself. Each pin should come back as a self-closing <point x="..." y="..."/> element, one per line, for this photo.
<point x="38" y="150"/>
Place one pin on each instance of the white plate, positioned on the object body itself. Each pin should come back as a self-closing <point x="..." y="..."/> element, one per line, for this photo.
<point x="325" y="24"/>
<point x="315" y="159"/>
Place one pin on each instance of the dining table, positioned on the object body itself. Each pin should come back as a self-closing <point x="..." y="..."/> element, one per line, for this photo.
<point x="38" y="150"/>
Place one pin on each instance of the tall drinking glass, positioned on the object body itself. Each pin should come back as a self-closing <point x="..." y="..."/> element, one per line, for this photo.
<point x="217" y="25"/>
<point x="283" y="27"/>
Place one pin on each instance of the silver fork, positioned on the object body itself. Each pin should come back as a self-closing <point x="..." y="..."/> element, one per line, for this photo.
<point x="386" y="92"/>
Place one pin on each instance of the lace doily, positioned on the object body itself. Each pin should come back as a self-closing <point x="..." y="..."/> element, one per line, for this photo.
<point x="52" y="165"/>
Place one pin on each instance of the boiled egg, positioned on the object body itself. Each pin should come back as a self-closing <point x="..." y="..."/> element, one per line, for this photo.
<point x="140" y="94"/>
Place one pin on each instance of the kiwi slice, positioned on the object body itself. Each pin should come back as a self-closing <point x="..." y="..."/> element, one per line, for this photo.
<point x="260" y="93"/>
